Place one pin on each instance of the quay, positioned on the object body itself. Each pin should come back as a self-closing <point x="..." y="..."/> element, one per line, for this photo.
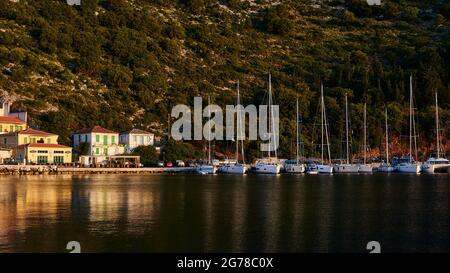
<point x="49" y="169"/>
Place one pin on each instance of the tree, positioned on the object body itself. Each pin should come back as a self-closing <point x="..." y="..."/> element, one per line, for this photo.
<point x="148" y="154"/>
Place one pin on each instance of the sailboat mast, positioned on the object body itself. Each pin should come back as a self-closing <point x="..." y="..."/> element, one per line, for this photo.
<point x="237" y="125"/>
<point x="346" y="128"/>
<point x="387" y="137"/>
<point x="209" y="131"/>
<point x="296" y="147"/>
<point x="410" y="117"/>
<point x="437" y="128"/>
<point x="322" y="117"/>
<point x="365" y="132"/>
<point x="270" y="111"/>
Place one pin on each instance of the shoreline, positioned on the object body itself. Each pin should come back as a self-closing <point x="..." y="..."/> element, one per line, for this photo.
<point x="55" y="170"/>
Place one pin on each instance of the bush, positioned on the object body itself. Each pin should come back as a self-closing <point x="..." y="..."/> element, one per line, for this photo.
<point x="148" y="154"/>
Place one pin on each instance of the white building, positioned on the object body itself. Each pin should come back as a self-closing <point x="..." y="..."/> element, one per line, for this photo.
<point x="99" y="141"/>
<point x="136" y="138"/>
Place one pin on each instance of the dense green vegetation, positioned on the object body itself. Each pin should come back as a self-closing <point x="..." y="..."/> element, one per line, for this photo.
<point x="124" y="64"/>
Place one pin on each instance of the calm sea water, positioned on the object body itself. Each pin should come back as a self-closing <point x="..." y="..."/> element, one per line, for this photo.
<point x="225" y="213"/>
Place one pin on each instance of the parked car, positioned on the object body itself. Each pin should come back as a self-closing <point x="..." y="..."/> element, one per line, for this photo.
<point x="169" y="164"/>
<point x="180" y="163"/>
<point x="160" y="164"/>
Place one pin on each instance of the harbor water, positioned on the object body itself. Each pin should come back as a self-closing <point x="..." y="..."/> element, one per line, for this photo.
<point x="225" y="213"/>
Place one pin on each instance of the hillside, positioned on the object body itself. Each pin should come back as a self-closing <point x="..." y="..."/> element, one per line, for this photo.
<point x="124" y="64"/>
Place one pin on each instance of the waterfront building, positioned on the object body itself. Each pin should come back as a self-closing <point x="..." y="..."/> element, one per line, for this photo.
<point x="97" y="141"/>
<point x="43" y="153"/>
<point x="27" y="136"/>
<point x="32" y="146"/>
<point x="135" y="138"/>
<point x="11" y="121"/>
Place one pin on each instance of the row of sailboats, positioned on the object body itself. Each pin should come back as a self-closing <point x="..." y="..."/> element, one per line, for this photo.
<point x="271" y="165"/>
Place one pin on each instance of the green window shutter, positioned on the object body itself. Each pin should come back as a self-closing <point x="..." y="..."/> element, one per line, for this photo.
<point x="97" y="151"/>
<point x="97" y="138"/>
<point x="113" y="139"/>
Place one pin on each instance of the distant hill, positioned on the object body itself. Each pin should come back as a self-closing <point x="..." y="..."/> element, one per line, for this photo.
<point x="124" y="64"/>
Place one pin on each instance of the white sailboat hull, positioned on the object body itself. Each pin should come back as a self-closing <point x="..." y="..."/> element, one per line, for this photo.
<point x="430" y="168"/>
<point x="233" y="169"/>
<point x="206" y="169"/>
<point x="386" y="169"/>
<point x="364" y="168"/>
<point x="267" y="168"/>
<point x="408" y="168"/>
<point x="325" y="169"/>
<point x="345" y="168"/>
<point x="292" y="168"/>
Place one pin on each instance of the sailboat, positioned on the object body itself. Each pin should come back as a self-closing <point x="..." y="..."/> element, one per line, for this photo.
<point x="208" y="168"/>
<point x="365" y="168"/>
<point x="437" y="163"/>
<point x="269" y="165"/>
<point x="347" y="167"/>
<point x="296" y="167"/>
<point x="386" y="167"/>
<point x="408" y="164"/>
<point x="322" y="167"/>
<point x="237" y="168"/>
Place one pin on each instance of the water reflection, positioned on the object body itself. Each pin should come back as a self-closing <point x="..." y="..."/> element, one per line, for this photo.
<point x="175" y="213"/>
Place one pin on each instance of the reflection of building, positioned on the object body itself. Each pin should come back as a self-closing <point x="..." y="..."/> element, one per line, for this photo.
<point x="99" y="141"/>
<point x="136" y="138"/>
<point x="11" y="121"/>
<point x="36" y="147"/>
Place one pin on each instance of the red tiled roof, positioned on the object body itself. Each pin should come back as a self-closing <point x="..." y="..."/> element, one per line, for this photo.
<point x="95" y="129"/>
<point x="137" y="131"/>
<point x="7" y="119"/>
<point x="42" y="145"/>
<point x="30" y="131"/>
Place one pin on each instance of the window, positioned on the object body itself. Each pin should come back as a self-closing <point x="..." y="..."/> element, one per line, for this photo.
<point x="113" y="139"/>
<point x="42" y="159"/>
<point x="25" y="140"/>
<point x="105" y="140"/>
<point x="11" y="128"/>
<point x="19" y="128"/>
<point x="134" y="139"/>
<point x="4" y="141"/>
<point x="33" y="140"/>
<point x="97" y="151"/>
<point x="42" y="152"/>
<point x="85" y="138"/>
<point x="49" y="140"/>
<point x="105" y="151"/>
<point x="97" y="138"/>
<point x="58" y="152"/>
<point x="141" y="140"/>
<point x="1" y="128"/>
<point x="79" y="138"/>
<point x="58" y="159"/>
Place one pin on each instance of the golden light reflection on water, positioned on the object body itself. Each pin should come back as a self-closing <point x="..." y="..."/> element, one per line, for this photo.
<point x="223" y="213"/>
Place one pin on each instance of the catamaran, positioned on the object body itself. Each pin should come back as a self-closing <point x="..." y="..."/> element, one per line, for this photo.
<point x="365" y="168"/>
<point x="410" y="165"/>
<point x="438" y="163"/>
<point x="346" y="167"/>
<point x="322" y="167"/>
<point x="237" y="168"/>
<point x="269" y="165"/>
<point x="386" y="167"/>
<point x="296" y="167"/>
<point x="208" y="168"/>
